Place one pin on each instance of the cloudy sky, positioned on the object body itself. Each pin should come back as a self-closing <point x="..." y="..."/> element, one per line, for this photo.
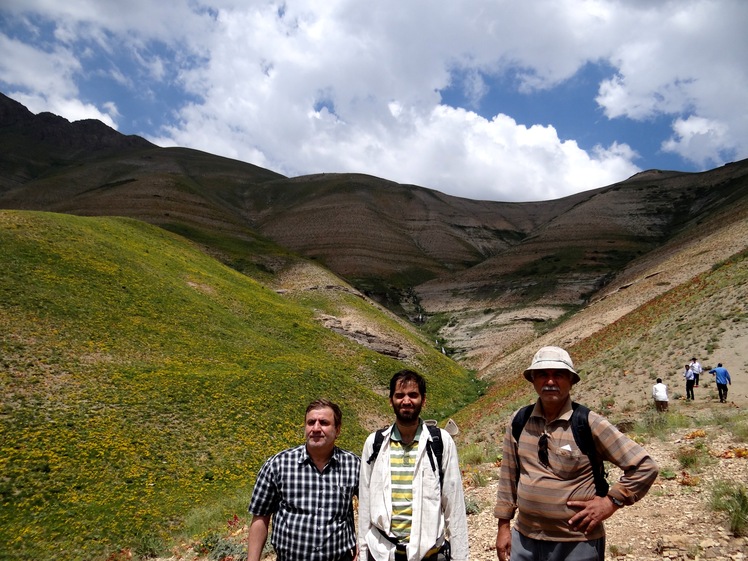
<point x="487" y="99"/>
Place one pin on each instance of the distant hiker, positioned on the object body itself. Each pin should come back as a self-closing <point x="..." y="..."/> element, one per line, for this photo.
<point x="308" y="491"/>
<point x="411" y="502"/>
<point x="690" y="377"/>
<point x="697" y="370"/>
<point x="552" y="471"/>
<point x="659" y="393"/>
<point x="722" y="378"/>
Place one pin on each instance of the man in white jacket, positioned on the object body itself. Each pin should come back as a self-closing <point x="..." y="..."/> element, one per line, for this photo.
<point x="410" y="507"/>
<point x="659" y="393"/>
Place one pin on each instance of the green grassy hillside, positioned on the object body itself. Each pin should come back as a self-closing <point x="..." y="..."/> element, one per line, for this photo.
<point x="142" y="384"/>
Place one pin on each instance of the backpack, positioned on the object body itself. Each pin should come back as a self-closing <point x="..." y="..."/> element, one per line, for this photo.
<point x="580" y="428"/>
<point x="434" y="448"/>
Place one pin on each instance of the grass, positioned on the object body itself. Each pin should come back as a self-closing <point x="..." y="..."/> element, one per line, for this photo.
<point x="143" y="383"/>
<point x="660" y="425"/>
<point x="475" y="454"/>
<point x="735" y="423"/>
<point x="690" y="457"/>
<point x="732" y="498"/>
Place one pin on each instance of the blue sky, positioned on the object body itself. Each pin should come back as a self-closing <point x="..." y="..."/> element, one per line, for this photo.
<point x="485" y="99"/>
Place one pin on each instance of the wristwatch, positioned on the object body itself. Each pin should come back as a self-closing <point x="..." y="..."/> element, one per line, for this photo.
<point x="615" y="501"/>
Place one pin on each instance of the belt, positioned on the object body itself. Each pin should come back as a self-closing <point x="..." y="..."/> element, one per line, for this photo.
<point x="389" y="538"/>
<point x="400" y="548"/>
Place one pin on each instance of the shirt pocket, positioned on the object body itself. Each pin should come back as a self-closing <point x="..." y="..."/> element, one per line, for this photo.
<point x="568" y="463"/>
<point x="431" y="487"/>
<point x="339" y="500"/>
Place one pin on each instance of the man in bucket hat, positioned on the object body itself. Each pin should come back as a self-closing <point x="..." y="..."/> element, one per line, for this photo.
<point x="550" y="480"/>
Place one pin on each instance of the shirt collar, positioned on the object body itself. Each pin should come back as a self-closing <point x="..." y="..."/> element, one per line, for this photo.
<point x="304" y="456"/>
<point x="565" y="413"/>
<point x="396" y="436"/>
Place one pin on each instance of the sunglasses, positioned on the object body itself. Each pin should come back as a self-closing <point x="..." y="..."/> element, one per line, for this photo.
<point x="543" y="449"/>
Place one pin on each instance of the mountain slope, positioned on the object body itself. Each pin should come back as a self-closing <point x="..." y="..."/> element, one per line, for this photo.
<point x="142" y="381"/>
<point x="606" y="241"/>
<point x="489" y="274"/>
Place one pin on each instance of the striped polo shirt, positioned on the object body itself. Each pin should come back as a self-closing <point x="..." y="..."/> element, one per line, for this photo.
<point x="402" y="469"/>
<point x="542" y="491"/>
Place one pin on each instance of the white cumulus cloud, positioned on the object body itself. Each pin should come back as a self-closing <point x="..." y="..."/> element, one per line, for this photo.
<point x="306" y="86"/>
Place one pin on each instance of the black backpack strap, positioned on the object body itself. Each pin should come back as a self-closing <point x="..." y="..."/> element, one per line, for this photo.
<point x="435" y="447"/>
<point x="518" y="425"/>
<point x="580" y="427"/>
<point x="520" y="420"/>
<point x="378" y="440"/>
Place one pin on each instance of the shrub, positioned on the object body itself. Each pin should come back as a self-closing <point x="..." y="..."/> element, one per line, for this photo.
<point x="736" y="424"/>
<point x="660" y="425"/>
<point x="149" y="545"/>
<point x="471" y="506"/>
<point x="688" y="457"/>
<point x="618" y="551"/>
<point x="472" y="454"/>
<point x="732" y="498"/>
<point x="668" y="473"/>
<point x="227" y="550"/>
<point x="478" y="479"/>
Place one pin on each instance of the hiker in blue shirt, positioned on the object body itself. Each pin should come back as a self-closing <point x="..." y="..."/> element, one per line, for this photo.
<point x="722" y="378"/>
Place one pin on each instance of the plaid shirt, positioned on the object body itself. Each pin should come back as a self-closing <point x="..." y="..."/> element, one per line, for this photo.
<point x="313" y="511"/>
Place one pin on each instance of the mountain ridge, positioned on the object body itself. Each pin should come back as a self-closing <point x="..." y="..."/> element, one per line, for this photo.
<point x="422" y="253"/>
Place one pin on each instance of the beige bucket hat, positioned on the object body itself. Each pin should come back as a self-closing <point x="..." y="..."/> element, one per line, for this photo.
<point x="552" y="358"/>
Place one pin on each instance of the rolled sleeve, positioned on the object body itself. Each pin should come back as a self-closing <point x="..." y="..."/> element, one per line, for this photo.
<point x="506" y="496"/>
<point x="639" y="469"/>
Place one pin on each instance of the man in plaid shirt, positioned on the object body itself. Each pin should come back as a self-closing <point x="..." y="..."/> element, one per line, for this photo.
<point x="308" y="490"/>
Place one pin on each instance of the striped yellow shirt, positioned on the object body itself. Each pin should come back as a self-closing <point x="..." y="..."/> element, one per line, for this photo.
<point x="402" y="468"/>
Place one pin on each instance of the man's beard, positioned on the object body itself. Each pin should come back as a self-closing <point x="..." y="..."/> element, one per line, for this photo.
<point x="407" y="415"/>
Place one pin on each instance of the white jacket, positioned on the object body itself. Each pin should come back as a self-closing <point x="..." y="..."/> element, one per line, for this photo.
<point x="437" y="513"/>
<point x="659" y="392"/>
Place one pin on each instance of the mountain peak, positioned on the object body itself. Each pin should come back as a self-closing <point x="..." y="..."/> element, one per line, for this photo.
<point x="59" y="136"/>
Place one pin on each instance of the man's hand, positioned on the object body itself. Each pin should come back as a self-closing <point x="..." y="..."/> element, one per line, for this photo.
<point x="592" y="514"/>
<point x="504" y="541"/>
